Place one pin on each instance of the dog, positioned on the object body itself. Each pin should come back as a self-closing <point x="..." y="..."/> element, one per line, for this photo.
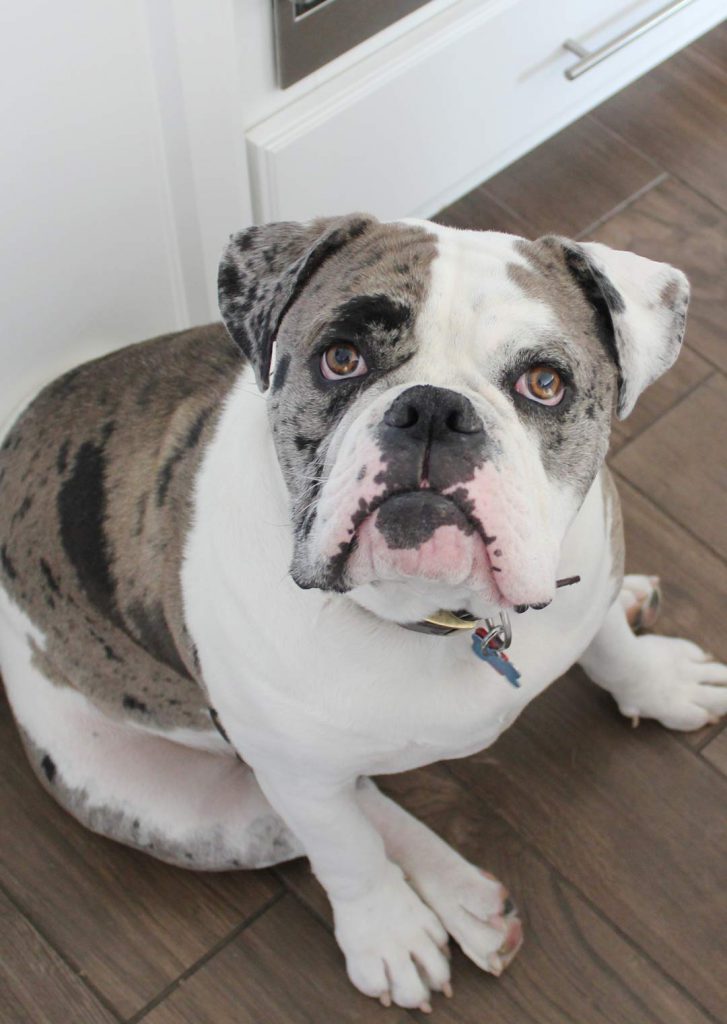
<point x="232" y="591"/>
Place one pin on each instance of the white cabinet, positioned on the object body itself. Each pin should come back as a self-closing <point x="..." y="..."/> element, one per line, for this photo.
<point x="423" y="120"/>
<point x="129" y="128"/>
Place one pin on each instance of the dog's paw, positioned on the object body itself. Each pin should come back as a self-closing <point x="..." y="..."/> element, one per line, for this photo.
<point x="395" y="947"/>
<point x="676" y="683"/>
<point x="641" y="599"/>
<point x="475" y="909"/>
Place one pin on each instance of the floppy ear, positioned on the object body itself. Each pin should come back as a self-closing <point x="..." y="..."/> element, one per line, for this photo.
<point x="643" y="305"/>
<point x="262" y="271"/>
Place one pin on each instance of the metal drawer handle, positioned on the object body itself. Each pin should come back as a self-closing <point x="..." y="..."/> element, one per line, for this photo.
<point x="589" y="60"/>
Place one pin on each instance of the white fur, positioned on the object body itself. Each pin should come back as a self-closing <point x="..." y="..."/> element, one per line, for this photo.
<point x="644" y="331"/>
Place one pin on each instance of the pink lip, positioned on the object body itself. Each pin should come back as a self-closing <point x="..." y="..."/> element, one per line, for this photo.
<point x="449" y="555"/>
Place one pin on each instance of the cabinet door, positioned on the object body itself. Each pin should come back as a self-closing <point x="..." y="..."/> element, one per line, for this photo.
<point x="425" y="119"/>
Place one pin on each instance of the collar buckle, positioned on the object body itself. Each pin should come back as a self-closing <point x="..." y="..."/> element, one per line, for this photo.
<point x="497" y="634"/>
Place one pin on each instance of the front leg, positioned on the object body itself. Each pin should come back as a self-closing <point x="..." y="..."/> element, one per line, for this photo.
<point x="472" y="905"/>
<point x="659" y="677"/>
<point x="393" y="943"/>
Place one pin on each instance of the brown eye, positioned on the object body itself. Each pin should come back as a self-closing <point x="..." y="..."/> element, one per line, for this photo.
<point x="342" y="360"/>
<point x="541" y="384"/>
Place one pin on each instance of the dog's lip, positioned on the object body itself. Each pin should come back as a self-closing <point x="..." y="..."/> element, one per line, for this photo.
<point x="451" y="497"/>
<point x="377" y="503"/>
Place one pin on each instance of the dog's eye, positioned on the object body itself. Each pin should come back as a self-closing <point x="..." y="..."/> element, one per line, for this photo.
<point x="342" y="360"/>
<point x="541" y="384"/>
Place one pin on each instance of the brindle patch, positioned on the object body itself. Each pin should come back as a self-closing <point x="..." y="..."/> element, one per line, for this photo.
<point x="48" y="767"/>
<point x="7" y="563"/>
<point x="356" y="294"/>
<point x="98" y="561"/>
<point x="81" y="516"/>
<point x="266" y="841"/>
<point x="574" y="435"/>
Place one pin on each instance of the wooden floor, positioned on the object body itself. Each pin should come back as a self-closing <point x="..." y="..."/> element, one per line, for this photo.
<point x="612" y="839"/>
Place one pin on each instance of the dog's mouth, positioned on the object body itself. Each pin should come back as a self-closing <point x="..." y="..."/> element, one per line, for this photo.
<point x="487" y="532"/>
<point x="423" y="534"/>
<point x="409" y="519"/>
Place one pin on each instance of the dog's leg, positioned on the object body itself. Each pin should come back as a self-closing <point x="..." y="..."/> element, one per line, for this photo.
<point x="671" y="680"/>
<point x="189" y="807"/>
<point x="392" y="941"/>
<point x="471" y="904"/>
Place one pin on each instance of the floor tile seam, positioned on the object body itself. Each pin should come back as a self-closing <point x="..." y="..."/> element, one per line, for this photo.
<point x="675" y="175"/>
<point x="702" y="745"/>
<point x="594" y="907"/>
<point x="622" y="206"/>
<point x="712" y="372"/>
<point x="201" y="961"/>
<point x="67" y="961"/>
<point x="708" y="378"/>
<point x="592" y="115"/>
<point x="674" y="522"/>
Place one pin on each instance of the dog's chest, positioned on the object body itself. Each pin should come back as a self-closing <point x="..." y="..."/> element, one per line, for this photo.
<point x="305" y="675"/>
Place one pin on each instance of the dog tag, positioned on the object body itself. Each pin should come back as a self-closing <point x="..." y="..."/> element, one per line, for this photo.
<point x="485" y="645"/>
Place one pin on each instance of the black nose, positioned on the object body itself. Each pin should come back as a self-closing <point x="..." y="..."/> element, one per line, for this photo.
<point x="436" y="413"/>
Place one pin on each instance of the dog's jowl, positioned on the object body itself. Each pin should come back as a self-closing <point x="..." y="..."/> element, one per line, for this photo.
<point x="243" y="568"/>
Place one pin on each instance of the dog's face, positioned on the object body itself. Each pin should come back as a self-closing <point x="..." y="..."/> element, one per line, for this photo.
<point x="442" y="399"/>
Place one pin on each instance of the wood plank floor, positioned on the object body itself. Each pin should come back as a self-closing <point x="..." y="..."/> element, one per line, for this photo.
<point x="613" y="840"/>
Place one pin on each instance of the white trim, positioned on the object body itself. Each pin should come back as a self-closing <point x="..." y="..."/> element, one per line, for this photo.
<point x="149" y="18"/>
<point x="194" y="55"/>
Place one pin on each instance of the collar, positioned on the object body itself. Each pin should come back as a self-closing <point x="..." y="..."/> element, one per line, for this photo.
<point x="443" y="621"/>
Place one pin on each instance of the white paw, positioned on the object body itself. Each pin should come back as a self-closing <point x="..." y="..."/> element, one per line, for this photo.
<point x="395" y="947"/>
<point x="675" y="682"/>
<point x="474" y="908"/>
<point x="641" y="599"/>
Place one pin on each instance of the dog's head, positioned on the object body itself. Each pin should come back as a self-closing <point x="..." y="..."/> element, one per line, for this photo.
<point x="442" y="399"/>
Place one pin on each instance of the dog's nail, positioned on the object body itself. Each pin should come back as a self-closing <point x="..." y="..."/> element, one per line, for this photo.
<point x="495" y="965"/>
<point x="447" y="989"/>
<point x="446" y="951"/>
<point x="635" y="720"/>
<point x="425" y="1007"/>
<point x="385" y="1000"/>
<point x="513" y="942"/>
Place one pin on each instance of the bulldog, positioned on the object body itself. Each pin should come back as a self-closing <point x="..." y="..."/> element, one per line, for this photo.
<point x="231" y="594"/>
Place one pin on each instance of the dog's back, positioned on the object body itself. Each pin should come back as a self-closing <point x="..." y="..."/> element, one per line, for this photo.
<point x="93" y="517"/>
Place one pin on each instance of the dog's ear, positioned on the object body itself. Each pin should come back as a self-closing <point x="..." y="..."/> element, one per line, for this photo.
<point x="262" y="271"/>
<point x="642" y="310"/>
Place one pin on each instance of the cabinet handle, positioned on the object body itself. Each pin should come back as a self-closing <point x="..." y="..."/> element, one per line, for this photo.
<point x="590" y="59"/>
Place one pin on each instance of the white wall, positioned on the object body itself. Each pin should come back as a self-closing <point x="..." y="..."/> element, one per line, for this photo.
<point x="120" y="175"/>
